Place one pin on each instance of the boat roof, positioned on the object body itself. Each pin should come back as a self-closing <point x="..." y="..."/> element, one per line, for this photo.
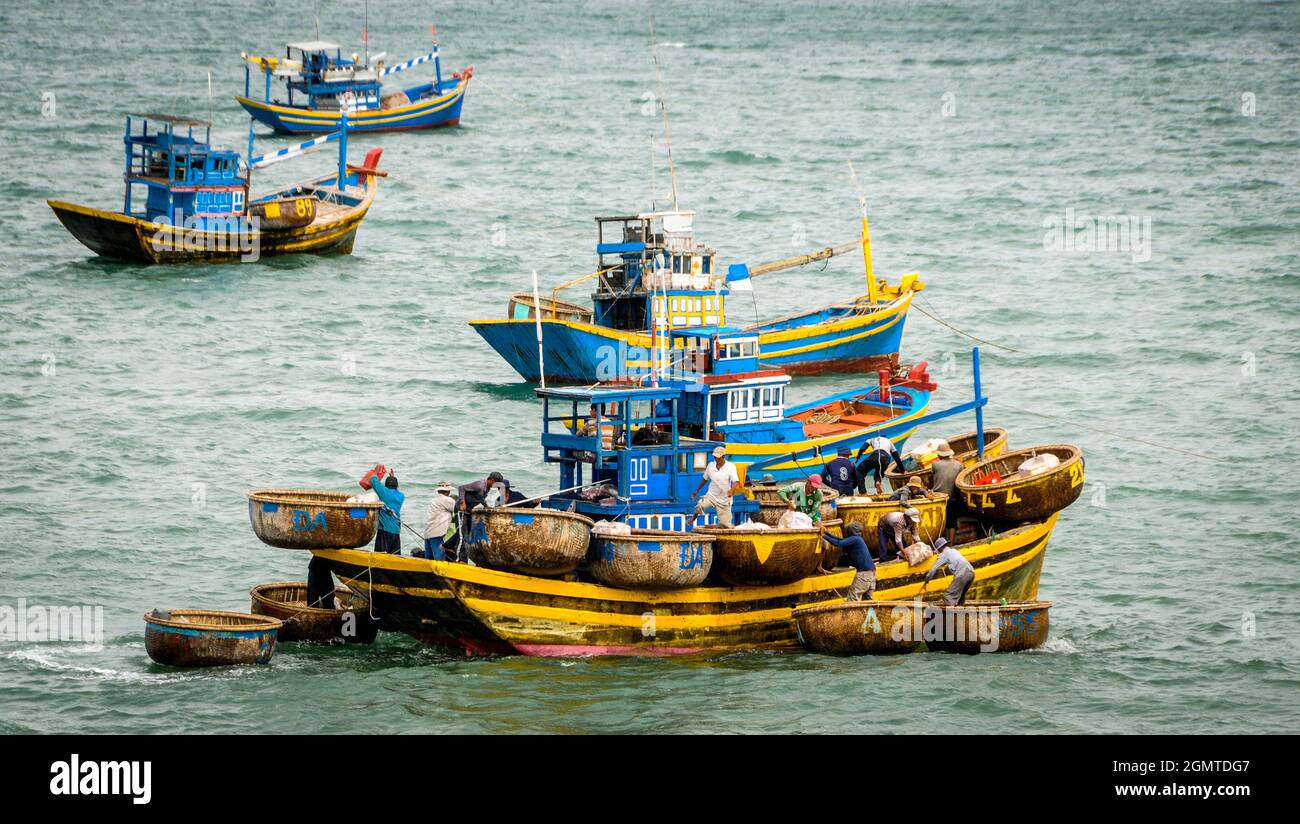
<point x="598" y="393"/>
<point x="314" y="45"/>
<point x="174" y="119"/>
<point x="708" y="331"/>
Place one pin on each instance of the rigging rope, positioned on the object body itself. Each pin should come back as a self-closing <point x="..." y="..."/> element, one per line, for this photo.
<point x="940" y="320"/>
<point x="1110" y="433"/>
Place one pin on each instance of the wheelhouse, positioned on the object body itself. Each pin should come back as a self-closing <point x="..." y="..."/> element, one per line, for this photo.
<point x="181" y="175"/>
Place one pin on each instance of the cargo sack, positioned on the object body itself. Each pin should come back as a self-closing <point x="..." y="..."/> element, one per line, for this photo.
<point x="917" y="552"/>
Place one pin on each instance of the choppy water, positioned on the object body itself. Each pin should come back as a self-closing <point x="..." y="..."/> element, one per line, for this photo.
<point x="139" y="403"/>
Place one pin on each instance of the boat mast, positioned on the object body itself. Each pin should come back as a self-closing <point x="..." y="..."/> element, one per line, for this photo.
<point x="659" y="90"/>
<point x="866" y="237"/>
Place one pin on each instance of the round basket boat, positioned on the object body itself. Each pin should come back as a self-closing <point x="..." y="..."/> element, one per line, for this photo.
<point x="743" y="557"/>
<point x="861" y="627"/>
<point x="287" y="601"/>
<point x="964" y="449"/>
<point x="1019" y="497"/>
<point x="312" y="519"/>
<point x="771" y="508"/>
<point x="867" y="511"/>
<point x="209" y="638"/>
<point x="988" y="626"/>
<point x="534" y="541"/>
<point x="651" y="559"/>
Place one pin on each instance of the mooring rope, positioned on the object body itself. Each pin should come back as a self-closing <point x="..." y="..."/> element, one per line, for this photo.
<point x="1111" y="434"/>
<point x="961" y="332"/>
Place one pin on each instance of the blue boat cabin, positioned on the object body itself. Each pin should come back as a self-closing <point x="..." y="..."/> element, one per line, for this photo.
<point x="183" y="177"/>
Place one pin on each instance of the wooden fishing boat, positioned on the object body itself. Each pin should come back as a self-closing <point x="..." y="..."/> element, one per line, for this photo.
<point x="770" y="511"/>
<point x="1017" y="497"/>
<point x="524" y="307"/>
<point x="989" y="626"/>
<point x="965" y="449"/>
<point x="868" y="510"/>
<point x="861" y="627"/>
<point x="312" y="518"/>
<point x="321" y="85"/>
<point x="651" y="559"/>
<point x="533" y="541"/>
<point x="287" y="601"/>
<point x="654" y="280"/>
<point x="487" y="611"/>
<point x="209" y="637"/>
<point x="198" y="206"/>
<point x="744" y="557"/>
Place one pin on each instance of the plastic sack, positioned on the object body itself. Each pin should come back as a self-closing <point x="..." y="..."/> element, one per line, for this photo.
<point x="610" y="528"/>
<point x="917" y="553"/>
<point x="1039" y="463"/>
<point x="794" y="519"/>
<point x="753" y="526"/>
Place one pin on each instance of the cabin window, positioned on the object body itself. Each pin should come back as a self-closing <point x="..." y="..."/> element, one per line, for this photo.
<point x="658" y="464"/>
<point x="699" y="305"/>
<point x="708" y="303"/>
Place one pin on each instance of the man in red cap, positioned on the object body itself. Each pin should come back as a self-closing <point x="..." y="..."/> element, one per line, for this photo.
<point x="805" y="497"/>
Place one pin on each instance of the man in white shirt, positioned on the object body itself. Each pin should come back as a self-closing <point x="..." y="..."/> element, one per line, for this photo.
<point x="441" y="508"/>
<point x="723" y="481"/>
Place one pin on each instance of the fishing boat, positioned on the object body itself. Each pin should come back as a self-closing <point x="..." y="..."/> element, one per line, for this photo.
<point x="651" y="559"/>
<point x="866" y="511"/>
<point x="635" y="455"/>
<point x="186" y="201"/>
<point x="209" y="637"/>
<point x="324" y="89"/>
<point x="654" y="281"/>
<point x="989" y="626"/>
<point x="997" y="490"/>
<point x="486" y="611"/>
<point x="861" y="627"/>
<point x="965" y="448"/>
<point x="287" y="601"/>
<point x="533" y="541"/>
<point x="311" y="518"/>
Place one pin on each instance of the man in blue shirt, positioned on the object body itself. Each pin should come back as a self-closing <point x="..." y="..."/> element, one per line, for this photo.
<point x="841" y="474"/>
<point x="389" y="537"/>
<point x="864" y="583"/>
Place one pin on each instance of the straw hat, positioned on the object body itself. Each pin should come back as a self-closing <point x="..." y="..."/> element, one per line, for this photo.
<point x="769" y="478"/>
<point x="916" y="481"/>
<point x="445" y="486"/>
<point x="944" y="450"/>
<point x="719" y="451"/>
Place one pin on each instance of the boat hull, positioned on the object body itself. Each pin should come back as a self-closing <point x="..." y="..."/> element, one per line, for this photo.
<point x="576" y="352"/>
<point x="485" y="611"/>
<point x="134" y="239"/>
<point x="933" y="510"/>
<point x="287" y="602"/>
<point x="429" y="113"/>
<point x="651" y="559"/>
<point x="311" y="519"/>
<point x="1017" y="498"/>
<point x="228" y="639"/>
<point x="532" y="541"/>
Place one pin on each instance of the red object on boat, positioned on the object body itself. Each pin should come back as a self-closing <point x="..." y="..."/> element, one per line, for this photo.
<point x="918" y="377"/>
<point x="991" y="478"/>
<point x="377" y="473"/>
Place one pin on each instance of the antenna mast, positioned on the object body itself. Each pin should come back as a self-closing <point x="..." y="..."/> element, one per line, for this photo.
<point x="659" y="90"/>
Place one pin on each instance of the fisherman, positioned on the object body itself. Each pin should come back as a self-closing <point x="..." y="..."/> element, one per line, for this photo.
<point x="841" y="473"/>
<point x="864" y="582"/>
<point x="963" y="574"/>
<point x="915" y="488"/>
<point x="805" y="497"/>
<point x="470" y="495"/>
<point x="320" y="583"/>
<point x="389" y="537"/>
<point x="724" y="481"/>
<point x="892" y="528"/>
<point x="441" y="509"/>
<point x="946" y="469"/>
<point x="883" y="455"/>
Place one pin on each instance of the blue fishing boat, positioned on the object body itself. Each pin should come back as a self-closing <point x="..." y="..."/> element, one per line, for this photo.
<point x="187" y="201"/>
<point x="321" y="84"/>
<point x="635" y="452"/>
<point x="653" y="280"/>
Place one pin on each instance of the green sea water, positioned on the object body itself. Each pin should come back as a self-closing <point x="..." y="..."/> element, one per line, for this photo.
<point x="139" y="403"/>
